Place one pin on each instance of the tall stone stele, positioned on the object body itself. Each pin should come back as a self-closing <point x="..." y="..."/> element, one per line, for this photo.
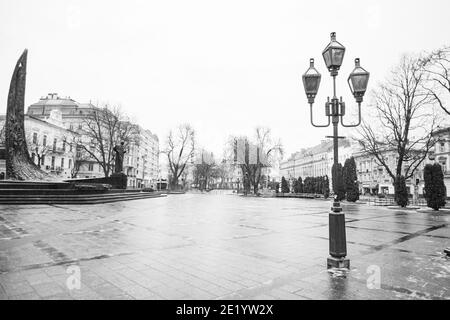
<point x="19" y="165"/>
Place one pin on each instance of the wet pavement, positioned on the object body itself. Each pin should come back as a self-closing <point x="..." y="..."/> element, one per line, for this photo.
<point x="219" y="246"/>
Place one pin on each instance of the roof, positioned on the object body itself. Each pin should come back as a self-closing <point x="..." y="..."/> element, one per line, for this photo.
<point x="53" y="100"/>
<point x="26" y="116"/>
<point x="68" y="106"/>
<point x="438" y="131"/>
<point x="56" y="102"/>
<point x="324" y="146"/>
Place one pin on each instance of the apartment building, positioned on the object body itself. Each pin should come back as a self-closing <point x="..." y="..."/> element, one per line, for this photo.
<point x="141" y="161"/>
<point x="49" y="143"/>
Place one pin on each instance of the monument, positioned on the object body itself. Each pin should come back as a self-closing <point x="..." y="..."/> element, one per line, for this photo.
<point x="19" y="165"/>
<point x="119" y="178"/>
<point x="120" y="151"/>
<point x="26" y="183"/>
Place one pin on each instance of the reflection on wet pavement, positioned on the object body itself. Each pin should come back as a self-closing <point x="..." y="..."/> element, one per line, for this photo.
<point x="203" y="246"/>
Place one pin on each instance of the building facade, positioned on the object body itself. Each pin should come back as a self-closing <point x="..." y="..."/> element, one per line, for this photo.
<point x="441" y="152"/>
<point x="373" y="177"/>
<point x="49" y="144"/>
<point x="315" y="161"/>
<point x="141" y="160"/>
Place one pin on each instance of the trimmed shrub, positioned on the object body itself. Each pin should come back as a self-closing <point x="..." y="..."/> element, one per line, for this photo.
<point x="435" y="191"/>
<point x="299" y="185"/>
<point x="326" y="187"/>
<point x="351" y="180"/>
<point x="338" y="182"/>
<point x="284" y="185"/>
<point x="294" y="185"/>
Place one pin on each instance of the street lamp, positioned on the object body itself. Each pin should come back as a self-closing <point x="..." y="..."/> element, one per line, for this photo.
<point x="333" y="55"/>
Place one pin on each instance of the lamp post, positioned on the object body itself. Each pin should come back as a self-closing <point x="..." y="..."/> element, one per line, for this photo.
<point x="333" y="55"/>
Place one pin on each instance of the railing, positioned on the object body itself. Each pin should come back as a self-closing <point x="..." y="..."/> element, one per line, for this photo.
<point x="389" y="201"/>
<point x="58" y="150"/>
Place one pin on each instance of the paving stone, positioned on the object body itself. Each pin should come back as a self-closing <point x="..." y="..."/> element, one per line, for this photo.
<point x="216" y="247"/>
<point x="38" y="278"/>
<point x="26" y="296"/>
<point x="108" y="290"/>
<point x="46" y="290"/>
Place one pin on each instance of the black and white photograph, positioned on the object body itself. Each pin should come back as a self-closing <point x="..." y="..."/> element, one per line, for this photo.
<point x="224" y="156"/>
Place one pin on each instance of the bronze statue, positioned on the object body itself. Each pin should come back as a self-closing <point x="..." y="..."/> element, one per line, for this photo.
<point x="19" y="165"/>
<point x="120" y="151"/>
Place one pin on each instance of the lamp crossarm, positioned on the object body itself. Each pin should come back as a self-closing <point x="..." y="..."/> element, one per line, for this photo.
<point x="312" y="121"/>
<point x="359" y="119"/>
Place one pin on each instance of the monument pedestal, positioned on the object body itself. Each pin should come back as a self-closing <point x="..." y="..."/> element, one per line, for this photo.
<point x="118" y="180"/>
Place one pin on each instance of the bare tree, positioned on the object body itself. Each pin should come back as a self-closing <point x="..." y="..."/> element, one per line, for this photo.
<point x="204" y="168"/>
<point x="179" y="150"/>
<point x="254" y="156"/>
<point x="102" y="129"/>
<point x="76" y="152"/>
<point x="39" y="148"/>
<point x="436" y="66"/>
<point x="223" y="171"/>
<point x="79" y="157"/>
<point x="404" y="121"/>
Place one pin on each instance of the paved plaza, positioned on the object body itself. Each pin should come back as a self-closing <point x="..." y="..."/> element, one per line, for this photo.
<point x="219" y="246"/>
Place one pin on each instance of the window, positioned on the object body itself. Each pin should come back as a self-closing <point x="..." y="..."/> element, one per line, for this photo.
<point x="54" y="144"/>
<point x="80" y="126"/>
<point x="91" y="167"/>
<point x="70" y="163"/>
<point x="33" y="156"/>
<point x="70" y="147"/>
<point x="443" y="163"/>
<point x="53" y="162"/>
<point x="442" y="146"/>
<point x="43" y="160"/>
<point x="34" y="138"/>
<point x="44" y="140"/>
<point x="64" y="146"/>
<point x="62" y="163"/>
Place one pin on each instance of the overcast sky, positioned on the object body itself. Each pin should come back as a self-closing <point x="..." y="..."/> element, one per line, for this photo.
<point x="223" y="66"/>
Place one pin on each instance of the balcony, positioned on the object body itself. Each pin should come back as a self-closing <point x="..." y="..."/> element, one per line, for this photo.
<point x="59" y="150"/>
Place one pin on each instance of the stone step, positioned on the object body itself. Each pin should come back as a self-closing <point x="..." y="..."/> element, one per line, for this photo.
<point x="76" y="199"/>
<point x="67" y="192"/>
<point x="9" y="184"/>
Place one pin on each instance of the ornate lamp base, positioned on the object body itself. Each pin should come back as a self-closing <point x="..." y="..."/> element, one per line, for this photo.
<point x="338" y="263"/>
<point x="119" y="180"/>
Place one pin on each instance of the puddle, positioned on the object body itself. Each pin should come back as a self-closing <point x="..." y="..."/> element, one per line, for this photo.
<point x="338" y="272"/>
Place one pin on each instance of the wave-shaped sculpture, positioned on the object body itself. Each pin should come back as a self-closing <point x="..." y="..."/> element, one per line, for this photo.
<point x="19" y="165"/>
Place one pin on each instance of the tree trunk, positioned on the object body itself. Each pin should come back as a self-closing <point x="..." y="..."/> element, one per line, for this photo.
<point x="401" y="194"/>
